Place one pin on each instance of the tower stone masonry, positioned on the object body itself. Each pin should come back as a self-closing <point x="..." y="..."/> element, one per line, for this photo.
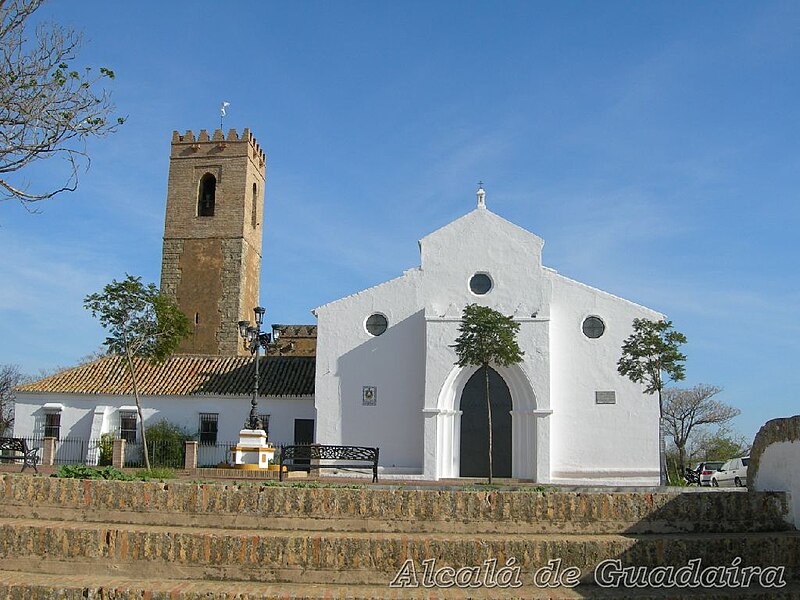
<point x="211" y="259"/>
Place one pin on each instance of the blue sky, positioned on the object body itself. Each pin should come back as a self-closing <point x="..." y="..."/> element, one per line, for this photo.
<point x="655" y="148"/>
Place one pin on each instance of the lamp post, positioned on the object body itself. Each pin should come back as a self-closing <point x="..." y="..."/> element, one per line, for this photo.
<point x="254" y="340"/>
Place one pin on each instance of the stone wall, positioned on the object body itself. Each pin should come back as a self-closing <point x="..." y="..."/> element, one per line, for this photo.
<point x="102" y="538"/>
<point x="249" y="504"/>
<point x="775" y="461"/>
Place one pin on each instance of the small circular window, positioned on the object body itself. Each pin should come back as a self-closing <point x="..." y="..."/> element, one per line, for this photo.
<point x="480" y="284"/>
<point x="593" y="327"/>
<point x="376" y="324"/>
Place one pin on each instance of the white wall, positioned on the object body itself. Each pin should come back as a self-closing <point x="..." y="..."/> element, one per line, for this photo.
<point x="613" y="442"/>
<point x="779" y="471"/>
<point x="349" y="358"/>
<point x="481" y="241"/>
<point x="79" y="410"/>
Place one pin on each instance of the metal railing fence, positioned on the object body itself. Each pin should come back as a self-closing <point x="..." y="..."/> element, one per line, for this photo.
<point x="163" y="453"/>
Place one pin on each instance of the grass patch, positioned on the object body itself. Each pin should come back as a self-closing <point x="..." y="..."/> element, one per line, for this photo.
<point x="111" y="474"/>
<point x="312" y="485"/>
<point x="159" y="473"/>
<point x="86" y="472"/>
<point x="528" y="489"/>
<point x="541" y="489"/>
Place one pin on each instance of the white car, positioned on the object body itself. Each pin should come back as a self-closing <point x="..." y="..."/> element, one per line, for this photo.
<point x="706" y="470"/>
<point x="732" y="474"/>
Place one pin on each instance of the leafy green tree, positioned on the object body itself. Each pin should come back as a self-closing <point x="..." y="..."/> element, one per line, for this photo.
<point x="651" y="356"/>
<point x="141" y="323"/>
<point x="723" y="445"/>
<point x="487" y="337"/>
<point x="50" y="106"/>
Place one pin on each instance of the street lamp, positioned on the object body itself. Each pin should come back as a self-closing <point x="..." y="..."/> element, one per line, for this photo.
<point x="254" y="340"/>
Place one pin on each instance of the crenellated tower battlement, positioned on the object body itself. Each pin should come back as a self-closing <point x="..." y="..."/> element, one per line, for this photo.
<point x="188" y="144"/>
<point x="211" y="261"/>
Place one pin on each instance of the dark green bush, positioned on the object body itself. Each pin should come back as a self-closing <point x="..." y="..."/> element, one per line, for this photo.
<point x="166" y="444"/>
<point x="106" y="448"/>
<point x="110" y="473"/>
<point x="85" y="472"/>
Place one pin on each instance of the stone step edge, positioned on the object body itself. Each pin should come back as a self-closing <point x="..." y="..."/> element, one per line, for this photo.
<point x="201" y="498"/>
<point x="386" y="525"/>
<point x="172" y="529"/>
<point x="38" y="586"/>
<point x="305" y="568"/>
<point x="257" y="574"/>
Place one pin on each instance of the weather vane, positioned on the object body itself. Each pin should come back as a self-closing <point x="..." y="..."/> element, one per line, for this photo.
<point x="222" y="113"/>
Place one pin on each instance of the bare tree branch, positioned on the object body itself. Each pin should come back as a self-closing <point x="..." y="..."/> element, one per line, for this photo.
<point x="686" y="410"/>
<point x="10" y="378"/>
<point x="49" y="108"/>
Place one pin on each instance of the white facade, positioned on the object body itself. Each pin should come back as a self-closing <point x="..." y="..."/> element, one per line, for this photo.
<point x="88" y="416"/>
<point x="413" y="412"/>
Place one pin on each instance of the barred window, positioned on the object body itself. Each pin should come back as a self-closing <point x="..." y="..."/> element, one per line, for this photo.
<point x="52" y="424"/>
<point x="265" y="423"/>
<point x="127" y="427"/>
<point x="208" y="428"/>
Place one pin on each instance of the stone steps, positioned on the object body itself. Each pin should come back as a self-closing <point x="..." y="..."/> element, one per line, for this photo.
<point x="258" y="506"/>
<point x="350" y="523"/>
<point x="70" y="539"/>
<point x="356" y="557"/>
<point x="41" y="586"/>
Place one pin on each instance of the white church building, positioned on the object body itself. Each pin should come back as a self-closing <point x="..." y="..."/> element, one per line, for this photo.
<point x="378" y="369"/>
<point x="386" y="373"/>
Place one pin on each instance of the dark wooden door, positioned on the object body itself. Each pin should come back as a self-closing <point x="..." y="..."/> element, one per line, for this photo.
<point x="303" y="434"/>
<point x="475" y="426"/>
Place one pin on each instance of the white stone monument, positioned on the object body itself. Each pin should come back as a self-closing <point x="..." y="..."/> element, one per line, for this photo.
<point x="253" y="451"/>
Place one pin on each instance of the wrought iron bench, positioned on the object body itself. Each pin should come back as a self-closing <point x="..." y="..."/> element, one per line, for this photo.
<point x="29" y="456"/>
<point x="295" y="458"/>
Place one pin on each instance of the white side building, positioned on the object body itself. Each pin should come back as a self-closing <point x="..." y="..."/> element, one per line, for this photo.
<point x="207" y="396"/>
<point x="386" y="374"/>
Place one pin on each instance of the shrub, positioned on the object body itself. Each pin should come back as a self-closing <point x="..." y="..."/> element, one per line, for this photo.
<point x="167" y="444"/>
<point x="85" y="472"/>
<point x="110" y="473"/>
<point x="276" y="458"/>
<point x="106" y="447"/>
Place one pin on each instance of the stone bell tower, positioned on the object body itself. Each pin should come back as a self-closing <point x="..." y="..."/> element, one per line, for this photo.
<point x="211" y="260"/>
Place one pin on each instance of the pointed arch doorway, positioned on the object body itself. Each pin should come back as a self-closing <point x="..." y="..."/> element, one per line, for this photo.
<point x="474" y="442"/>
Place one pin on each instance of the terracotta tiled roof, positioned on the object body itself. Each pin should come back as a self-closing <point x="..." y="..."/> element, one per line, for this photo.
<point x="185" y="375"/>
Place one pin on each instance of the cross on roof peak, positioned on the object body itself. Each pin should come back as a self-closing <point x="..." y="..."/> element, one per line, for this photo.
<point x="481" y="195"/>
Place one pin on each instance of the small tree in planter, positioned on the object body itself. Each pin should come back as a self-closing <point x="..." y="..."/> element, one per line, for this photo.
<point x="487" y="337"/>
<point x="649" y="356"/>
<point x="141" y="323"/>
